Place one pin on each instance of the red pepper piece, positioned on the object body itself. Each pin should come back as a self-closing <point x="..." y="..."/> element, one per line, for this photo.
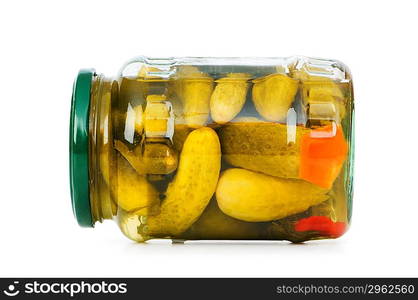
<point x="323" y="225"/>
<point x="323" y="152"/>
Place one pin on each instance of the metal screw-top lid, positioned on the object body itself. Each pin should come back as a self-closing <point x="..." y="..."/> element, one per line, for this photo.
<point x="79" y="148"/>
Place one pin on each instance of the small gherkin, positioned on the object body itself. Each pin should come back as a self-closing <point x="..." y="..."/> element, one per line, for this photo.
<point x="191" y="91"/>
<point x="273" y="95"/>
<point x="229" y="97"/>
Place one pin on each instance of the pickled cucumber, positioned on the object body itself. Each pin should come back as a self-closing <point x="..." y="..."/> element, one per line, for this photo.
<point x="229" y="96"/>
<point x="156" y="156"/>
<point x="159" y="157"/>
<point x="181" y="133"/>
<point x="194" y="89"/>
<point x="192" y="187"/>
<point x="273" y="95"/>
<point x="131" y="191"/>
<point x="130" y="224"/>
<point x="214" y="224"/>
<point x="255" y="197"/>
<point x="271" y="148"/>
<point x="285" y="227"/>
<point x="133" y="156"/>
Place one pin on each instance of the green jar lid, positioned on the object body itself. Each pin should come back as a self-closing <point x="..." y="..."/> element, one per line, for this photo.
<point x="79" y="148"/>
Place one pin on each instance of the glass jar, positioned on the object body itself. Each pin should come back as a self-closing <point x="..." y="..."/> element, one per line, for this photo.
<point x="215" y="148"/>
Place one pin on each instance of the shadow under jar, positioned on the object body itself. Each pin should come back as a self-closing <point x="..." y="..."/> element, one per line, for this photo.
<point x="215" y="148"/>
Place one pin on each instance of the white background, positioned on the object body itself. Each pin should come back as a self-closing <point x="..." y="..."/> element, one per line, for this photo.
<point x="45" y="43"/>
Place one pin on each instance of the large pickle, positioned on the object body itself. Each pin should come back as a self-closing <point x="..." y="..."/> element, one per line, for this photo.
<point x="273" y="95"/>
<point x="255" y="197"/>
<point x="193" y="186"/>
<point x="271" y="148"/>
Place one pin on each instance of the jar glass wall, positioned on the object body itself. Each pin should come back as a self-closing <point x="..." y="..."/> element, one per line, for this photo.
<point x="223" y="148"/>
